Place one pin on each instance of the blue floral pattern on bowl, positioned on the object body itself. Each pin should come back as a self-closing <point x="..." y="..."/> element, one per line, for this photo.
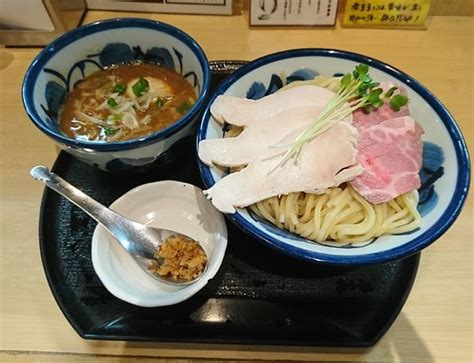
<point x="431" y="170"/>
<point x="258" y="90"/>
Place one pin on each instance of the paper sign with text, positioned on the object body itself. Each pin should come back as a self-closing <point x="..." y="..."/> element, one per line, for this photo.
<point x="390" y="13"/>
<point x="293" y="12"/>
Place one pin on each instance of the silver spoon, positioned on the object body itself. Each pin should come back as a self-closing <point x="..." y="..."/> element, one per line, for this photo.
<point x="137" y="239"/>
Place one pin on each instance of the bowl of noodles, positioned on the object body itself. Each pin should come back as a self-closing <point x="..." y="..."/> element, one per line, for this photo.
<point x="119" y="94"/>
<point x="333" y="157"/>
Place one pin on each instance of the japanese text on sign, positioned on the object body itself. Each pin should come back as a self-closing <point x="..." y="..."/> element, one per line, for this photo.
<point x="386" y="12"/>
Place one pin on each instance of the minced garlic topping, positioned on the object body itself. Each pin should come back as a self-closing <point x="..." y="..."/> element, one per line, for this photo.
<point x="180" y="258"/>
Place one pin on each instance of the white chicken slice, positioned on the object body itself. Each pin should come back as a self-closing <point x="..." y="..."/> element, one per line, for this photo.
<point x="256" y="138"/>
<point x="244" y="112"/>
<point x="261" y="135"/>
<point x="326" y="161"/>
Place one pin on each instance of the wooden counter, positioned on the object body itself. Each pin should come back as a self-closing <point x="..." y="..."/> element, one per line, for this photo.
<point x="434" y="325"/>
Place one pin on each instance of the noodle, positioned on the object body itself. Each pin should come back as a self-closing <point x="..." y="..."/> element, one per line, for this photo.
<point x="331" y="83"/>
<point x="340" y="215"/>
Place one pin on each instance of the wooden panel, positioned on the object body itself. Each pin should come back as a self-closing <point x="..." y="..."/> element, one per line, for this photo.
<point x="454" y="7"/>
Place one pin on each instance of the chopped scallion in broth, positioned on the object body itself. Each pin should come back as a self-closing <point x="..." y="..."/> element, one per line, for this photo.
<point x="112" y="103"/>
<point x="140" y="87"/>
<point x="120" y="88"/>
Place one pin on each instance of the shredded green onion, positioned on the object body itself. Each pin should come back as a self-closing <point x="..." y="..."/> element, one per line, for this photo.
<point x="140" y="87"/>
<point x="160" y="102"/>
<point x="112" y="103"/>
<point x="183" y="108"/>
<point x="110" y="132"/>
<point x="120" y="88"/>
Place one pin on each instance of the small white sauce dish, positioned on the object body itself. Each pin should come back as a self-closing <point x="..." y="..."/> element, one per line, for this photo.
<point x="166" y="204"/>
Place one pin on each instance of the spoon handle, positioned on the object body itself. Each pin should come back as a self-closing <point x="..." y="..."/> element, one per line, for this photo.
<point x="124" y="230"/>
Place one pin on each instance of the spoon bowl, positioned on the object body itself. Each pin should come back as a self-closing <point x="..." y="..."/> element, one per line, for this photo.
<point x="140" y="241"/>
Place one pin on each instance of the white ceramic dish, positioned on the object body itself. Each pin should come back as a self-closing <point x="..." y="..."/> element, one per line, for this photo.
<point x="445" y="172"/>
<point x="167" y="204"/>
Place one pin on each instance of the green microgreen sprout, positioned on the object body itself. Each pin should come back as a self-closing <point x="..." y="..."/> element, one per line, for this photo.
<point x="140" y="87"/>
<point x="397" y="102"/>
<point x="390" y="92"/>
<point x="120" y="88"/>
<point x="356" y="91"/>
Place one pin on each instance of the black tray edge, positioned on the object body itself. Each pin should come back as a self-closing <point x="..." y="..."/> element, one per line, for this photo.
<point x="54" y="291"/>
<point x="402" y="301"/>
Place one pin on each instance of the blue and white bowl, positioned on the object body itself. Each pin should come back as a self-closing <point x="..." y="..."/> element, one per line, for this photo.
<point x="445" y="173"/>
<point x="80" y="52"/>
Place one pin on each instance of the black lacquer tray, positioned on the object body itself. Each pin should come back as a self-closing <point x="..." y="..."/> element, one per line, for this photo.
<point x="259" y="296"/>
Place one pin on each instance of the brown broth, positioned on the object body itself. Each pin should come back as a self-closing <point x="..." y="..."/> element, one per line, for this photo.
<point x="93" y="90"/>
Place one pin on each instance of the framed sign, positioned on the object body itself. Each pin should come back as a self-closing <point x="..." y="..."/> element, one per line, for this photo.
<point x="386" y="13"/>
<point x="222" y="7"/>
<point x="293" y="12"/>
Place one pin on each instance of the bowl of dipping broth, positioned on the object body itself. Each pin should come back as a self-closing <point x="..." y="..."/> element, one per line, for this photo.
<point x="118" y="94"/>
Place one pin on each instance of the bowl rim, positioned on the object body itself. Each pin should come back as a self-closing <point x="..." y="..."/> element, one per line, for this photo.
<point x="70" y="37"/>
<point x="453" y="208"/>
